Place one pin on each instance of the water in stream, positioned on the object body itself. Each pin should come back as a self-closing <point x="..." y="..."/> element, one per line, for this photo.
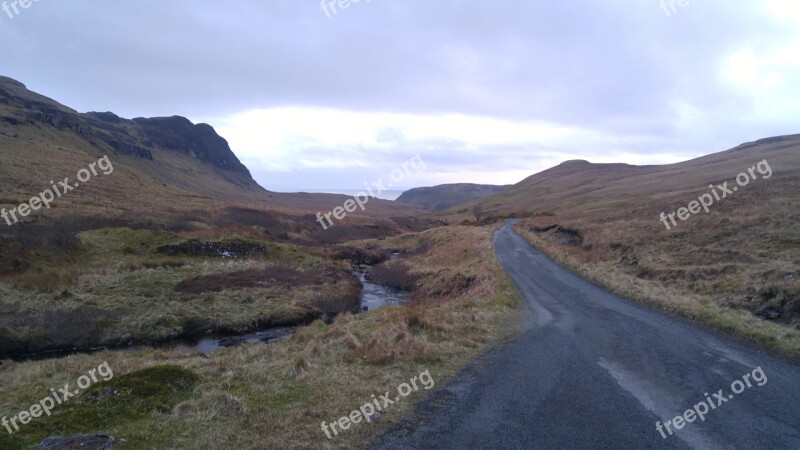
<point x="373" y="296"/>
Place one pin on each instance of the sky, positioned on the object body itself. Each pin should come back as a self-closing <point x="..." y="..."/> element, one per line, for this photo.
<point x="319" y="96"/>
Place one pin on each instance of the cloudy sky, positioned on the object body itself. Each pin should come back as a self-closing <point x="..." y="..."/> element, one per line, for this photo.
<point x="483" y="91"/>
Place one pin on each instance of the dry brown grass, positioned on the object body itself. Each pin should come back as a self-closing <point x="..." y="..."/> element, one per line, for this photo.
<point x="276" y="396"/>
<point x="394" y="274"/>
<point x="724" y="277"/>
<point x="49" y="279"/>
<point x="734" y="269"/>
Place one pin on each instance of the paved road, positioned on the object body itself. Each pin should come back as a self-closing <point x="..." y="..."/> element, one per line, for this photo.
<point x="593" y="371"/>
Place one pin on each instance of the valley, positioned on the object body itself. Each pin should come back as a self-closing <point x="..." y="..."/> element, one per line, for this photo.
<point x="175" y="268"/>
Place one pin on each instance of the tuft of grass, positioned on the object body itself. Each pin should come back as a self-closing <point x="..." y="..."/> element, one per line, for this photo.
<point x="394" y="274"/>
<point x="152" y="263"/>
<point x="211" y="406"/>
<point x="48" y="280"/>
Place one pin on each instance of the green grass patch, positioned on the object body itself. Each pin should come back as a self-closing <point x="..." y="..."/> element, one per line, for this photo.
<point x="127" y="399"/>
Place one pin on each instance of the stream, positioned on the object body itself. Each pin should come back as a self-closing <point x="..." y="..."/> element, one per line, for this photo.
<point x="373" y="296"/>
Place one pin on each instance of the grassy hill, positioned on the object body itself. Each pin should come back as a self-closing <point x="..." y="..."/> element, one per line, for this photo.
<point x="442" y="197"/>
<point x="734" y="267"/>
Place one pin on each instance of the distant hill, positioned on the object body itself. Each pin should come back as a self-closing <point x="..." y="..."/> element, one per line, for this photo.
<point x="442" y="197"/>
<point x="581" y="186"/>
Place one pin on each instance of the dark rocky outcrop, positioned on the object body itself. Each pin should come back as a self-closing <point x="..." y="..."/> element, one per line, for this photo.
<point x="137" y="138"/>
<point x="198" y="141"/>
<point x="129" y="149"/>
<point x="562" y="235"/>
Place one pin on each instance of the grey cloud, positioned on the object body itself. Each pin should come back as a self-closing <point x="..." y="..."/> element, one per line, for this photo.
<point x="616" y="66"/>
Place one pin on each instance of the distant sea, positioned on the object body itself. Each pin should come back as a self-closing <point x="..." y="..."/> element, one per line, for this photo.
<point x="390" y="194"/>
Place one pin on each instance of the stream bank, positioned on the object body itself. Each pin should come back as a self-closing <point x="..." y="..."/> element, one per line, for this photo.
<point x="373" y="297"/>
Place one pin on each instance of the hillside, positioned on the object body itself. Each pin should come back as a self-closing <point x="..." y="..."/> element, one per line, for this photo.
<point x="442" y="197"/>
<point x="163" y="168"/>
<point x="734" y="267"/>
<point x="152" y="144"/>
<point x="579" y="186"/>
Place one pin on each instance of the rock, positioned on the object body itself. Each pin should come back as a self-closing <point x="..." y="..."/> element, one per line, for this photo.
<point x="772" y="314"/>
<point x="629" y="261"/>
<point x="83" y="442"/>
<point x="107" y="392"/>
<point x="789" y="277"/>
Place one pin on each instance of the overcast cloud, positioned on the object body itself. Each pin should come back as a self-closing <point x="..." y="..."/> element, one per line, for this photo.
<point x="483" y="91"/>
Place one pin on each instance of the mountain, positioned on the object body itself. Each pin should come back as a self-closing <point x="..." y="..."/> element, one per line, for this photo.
<point x="442" y="197"/>
<point x="40" y="132"/>
<point x="163" y="167"/>
<point x="170" y="133"/>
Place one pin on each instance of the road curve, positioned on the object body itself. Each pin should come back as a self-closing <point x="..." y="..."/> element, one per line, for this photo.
<point x="594" y="371"/>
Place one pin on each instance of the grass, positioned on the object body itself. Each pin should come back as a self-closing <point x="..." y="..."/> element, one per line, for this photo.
<point x="277" y="395"/>
<point x="712" y="286"/>
<point x="118" y="289"/>
<point x="134" y="398"/>
<point x="734" y="269"/>
<point x="394" y="274"/>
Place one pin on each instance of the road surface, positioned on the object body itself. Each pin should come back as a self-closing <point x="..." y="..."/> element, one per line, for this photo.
<point x="594" y="371"/>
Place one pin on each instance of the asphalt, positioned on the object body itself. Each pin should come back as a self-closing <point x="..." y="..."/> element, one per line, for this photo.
<point x="594" y="371"/>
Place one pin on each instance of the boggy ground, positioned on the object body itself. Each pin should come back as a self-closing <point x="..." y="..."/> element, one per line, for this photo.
<point x="116" y="286"/>
<point x="277" y="395"/>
